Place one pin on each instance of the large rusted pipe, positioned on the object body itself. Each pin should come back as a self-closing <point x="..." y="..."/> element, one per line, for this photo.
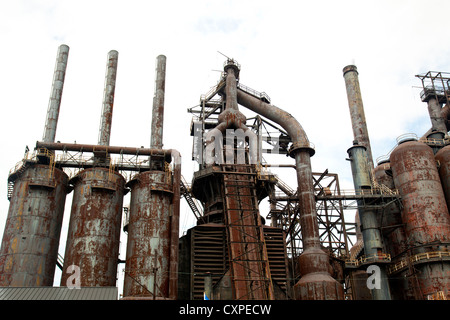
<point x="156" y="140"/>
<point x="445" y="115"/>
<point x="108" y="149"/>
<point x="316" y="282"/>
<point x="359" y="125"/>
<point x="230" y="118"/>
<point x="175" y="226"/>
<point x="436" y="116"/>
<point x="108" y="98"/>
<point x="56" y="93"/>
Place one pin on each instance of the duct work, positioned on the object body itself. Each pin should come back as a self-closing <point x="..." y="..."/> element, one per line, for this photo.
<point x="301" y="252"/>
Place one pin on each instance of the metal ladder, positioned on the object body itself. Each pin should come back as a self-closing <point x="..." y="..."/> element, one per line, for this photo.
<point x="249" y="263"/>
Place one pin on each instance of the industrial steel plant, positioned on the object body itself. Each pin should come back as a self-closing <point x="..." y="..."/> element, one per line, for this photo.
<point x="301" y="248"/>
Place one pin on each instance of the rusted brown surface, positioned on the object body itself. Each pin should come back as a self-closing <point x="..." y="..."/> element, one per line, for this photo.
<point x="107" y="149"/>
<point x="358" y="118"/>
<point x="31" y="238"/>
<point x="175" y="227"/>
<point x="443" y="156"/>
<point x="158" y="104"/>
<point x="425" y="213"/>
<point x="315" y="264"/>
<point x="93" y="237"/>
<point x="56" y="94"/>
<point x="392" y="225"/>
<point x="108" y="98"/>
<point x="436" y="115"/>
<point x="149" y="236"/>
<point x="248" y="253"/>
<point x="316" y="282"/>
<point x="416" y="178"/>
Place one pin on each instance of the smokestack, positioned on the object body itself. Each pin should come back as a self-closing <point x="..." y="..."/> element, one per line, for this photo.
<point x="55" y="95"/>
<point x="108" y="98"/>
<point x="156" y="141"/>
<point x="359" y="125"/>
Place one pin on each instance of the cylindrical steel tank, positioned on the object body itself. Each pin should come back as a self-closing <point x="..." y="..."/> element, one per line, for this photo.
<point x="425" y="213"/>
<point x="147" y="272"/>
<point x="417" y="179"/>
<point x="443" y="157"/>
<point x="30" y="242"/>
<point x="93" y="237"/>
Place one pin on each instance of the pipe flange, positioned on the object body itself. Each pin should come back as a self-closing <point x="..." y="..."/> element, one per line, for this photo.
<point x="303" y="145"/>
<point x="349" y="68"/>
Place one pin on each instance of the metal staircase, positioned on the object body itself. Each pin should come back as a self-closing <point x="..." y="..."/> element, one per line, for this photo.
<point x="14" y="175"/>
<point x="185" y="192"/>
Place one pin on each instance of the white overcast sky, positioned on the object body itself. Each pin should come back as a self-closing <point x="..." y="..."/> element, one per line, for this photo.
<point x="292" y="50"/>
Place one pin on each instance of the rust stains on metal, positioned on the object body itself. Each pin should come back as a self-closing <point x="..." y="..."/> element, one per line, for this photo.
<point x="158" y="104"/>
<point x="56" y="93"/>
<point x="108" y="98"/>
<point x="316" y="282"/>
<point x="31" y="238"/>
<point x="358" y="118"/>
<point x="105" y="149"/>
<point x="443" y="157"/>
<point x="425" y="212"/>
<point x="416" y="177"/>
<point x="147" y="269"/>
<point x="94" y="229"/>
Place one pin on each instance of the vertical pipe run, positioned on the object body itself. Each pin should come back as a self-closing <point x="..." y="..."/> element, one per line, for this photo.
<point x="370" y="228"/>
<point x="231" y="86"/>
<point x="156" y="141"/>
<point x="435" y="112"/>
<point x="316" y="282"/>
<point x="357" y="115"/>
<point x="108" y="98"/>
<point x="56" y="93"/>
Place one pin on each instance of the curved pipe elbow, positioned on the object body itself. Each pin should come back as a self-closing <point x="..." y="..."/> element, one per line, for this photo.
<point x="279" y="116"/>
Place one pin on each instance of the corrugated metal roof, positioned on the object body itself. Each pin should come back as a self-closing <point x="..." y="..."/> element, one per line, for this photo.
<point x="58" y="293"/>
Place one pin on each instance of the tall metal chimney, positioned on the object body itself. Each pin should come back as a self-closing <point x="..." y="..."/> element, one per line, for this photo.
<point x="55" y="95"/>
<point x="359" y="125"/>
<point x="108" y="98"/>
<point x="156" y="141"/>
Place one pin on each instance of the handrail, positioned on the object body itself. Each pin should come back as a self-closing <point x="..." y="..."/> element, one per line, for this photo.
<point x="253" y="92"/>
<point x="284" y="186"/>
<point x="213" y="89"/>
<point x="439" y="295"/>
<point x="418" y="257"/>
<point x="378" y="257"/>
